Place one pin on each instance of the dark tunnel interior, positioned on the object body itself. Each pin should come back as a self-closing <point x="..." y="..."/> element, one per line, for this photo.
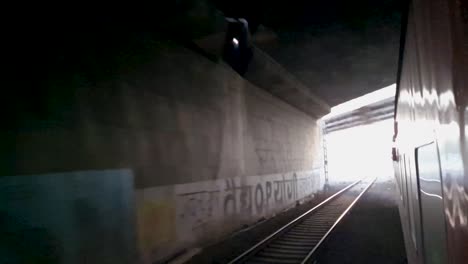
<point x="212" y="131"/>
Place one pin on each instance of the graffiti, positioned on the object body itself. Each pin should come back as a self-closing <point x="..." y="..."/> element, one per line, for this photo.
<point x="268" y="193"/>
<point x="194" y="208"/>
<point x="259" y="193"/>
<point x="230" y="197"/>
<point x="246" y="200"/>
<point x="204" y="209"/>
<point x="278" y="192"/>
<point x="256" y="198"/>
<point x="204" y="204"/>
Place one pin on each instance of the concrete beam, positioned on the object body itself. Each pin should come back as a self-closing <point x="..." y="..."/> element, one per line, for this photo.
<point x="269" y="75"/>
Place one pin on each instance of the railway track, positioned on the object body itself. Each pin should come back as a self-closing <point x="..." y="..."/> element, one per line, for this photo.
<point x="298" y="241"/>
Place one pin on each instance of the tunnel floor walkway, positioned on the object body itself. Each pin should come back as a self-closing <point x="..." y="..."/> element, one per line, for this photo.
<point x="370" y="233"/>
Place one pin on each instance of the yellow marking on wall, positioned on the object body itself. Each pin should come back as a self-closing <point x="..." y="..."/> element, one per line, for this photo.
<point x="156" y="228"/>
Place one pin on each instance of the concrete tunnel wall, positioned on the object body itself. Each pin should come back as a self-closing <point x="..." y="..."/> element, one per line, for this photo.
<point x="207" y="151"/>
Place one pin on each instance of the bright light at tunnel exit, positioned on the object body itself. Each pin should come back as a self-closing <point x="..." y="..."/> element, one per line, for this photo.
<point x="361" y="151"/>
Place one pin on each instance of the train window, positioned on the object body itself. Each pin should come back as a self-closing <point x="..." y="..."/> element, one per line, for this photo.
<point x="431" y="202"/>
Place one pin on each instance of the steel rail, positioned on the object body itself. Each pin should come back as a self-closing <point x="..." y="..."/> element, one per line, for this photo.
<point x="265" y="241"/>
<point x="312" y="252"/>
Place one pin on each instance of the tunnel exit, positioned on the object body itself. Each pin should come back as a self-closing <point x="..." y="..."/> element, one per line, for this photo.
<point x="357" y="138"/>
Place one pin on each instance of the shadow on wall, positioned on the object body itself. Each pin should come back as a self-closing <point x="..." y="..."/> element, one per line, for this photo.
<point x="22" y="243"/>
<point x="77" y="217"/>
<point x="209" y="152"/>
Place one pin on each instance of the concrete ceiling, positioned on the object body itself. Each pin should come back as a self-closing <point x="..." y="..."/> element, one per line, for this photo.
<point x="340" y="49"/>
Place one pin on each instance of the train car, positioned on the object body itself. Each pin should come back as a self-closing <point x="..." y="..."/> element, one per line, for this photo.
<point x="430" y="152"/>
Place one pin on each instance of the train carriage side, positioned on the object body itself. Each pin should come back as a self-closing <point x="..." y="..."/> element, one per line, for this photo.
<point x="431" y="153"/>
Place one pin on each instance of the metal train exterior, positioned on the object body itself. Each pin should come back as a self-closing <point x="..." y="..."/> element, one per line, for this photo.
<point x="431" y="122"/>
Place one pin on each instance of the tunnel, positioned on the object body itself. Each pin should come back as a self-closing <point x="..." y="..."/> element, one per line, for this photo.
<point x="207" y="131"/>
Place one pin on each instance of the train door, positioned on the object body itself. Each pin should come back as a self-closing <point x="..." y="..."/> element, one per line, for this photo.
<point x="431" y="203"/>
<point x="412" y="205"/>
<point x="402" y="180"/>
